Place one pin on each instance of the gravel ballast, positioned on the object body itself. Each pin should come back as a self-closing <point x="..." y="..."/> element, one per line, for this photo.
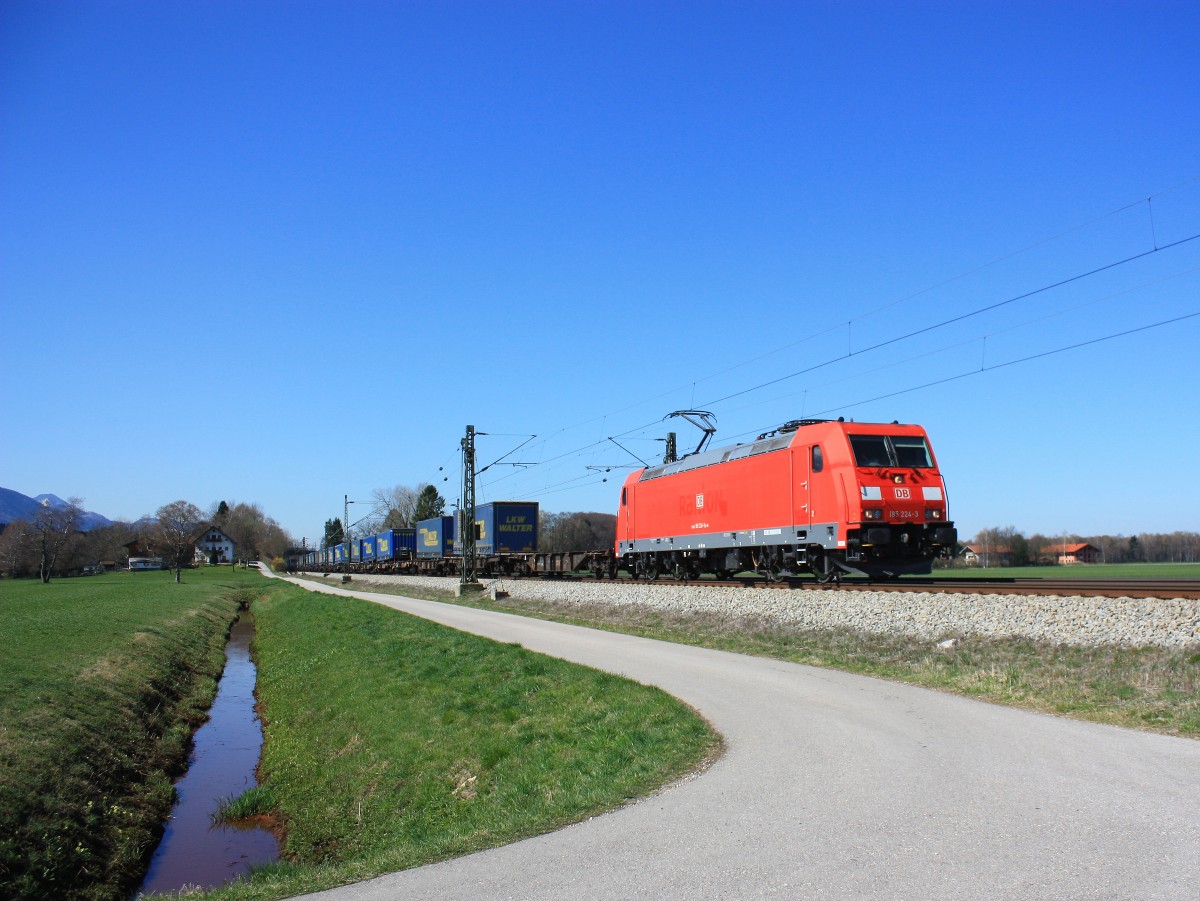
<point x="1084" y="621"/>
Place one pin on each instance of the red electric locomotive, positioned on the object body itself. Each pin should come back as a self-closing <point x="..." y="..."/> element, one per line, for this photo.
<point x="813" y="496"/>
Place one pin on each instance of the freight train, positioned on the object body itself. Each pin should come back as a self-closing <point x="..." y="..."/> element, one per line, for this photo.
<point x="821" y="497"/>
<point x="506" y="539"/>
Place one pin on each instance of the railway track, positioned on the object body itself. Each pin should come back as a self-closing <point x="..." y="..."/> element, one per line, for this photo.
<point x="1107" y="588"/>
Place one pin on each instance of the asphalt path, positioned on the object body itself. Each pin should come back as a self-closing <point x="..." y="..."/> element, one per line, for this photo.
<point x="842" y="786"/>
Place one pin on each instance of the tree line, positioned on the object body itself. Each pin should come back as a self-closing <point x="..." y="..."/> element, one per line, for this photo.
<point x="1009" y="547"/>
<point x="50" y="543"/>
<point x="398" y="507"/>
<point x="576" y="531"/>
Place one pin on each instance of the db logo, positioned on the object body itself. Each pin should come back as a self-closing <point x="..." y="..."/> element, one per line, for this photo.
<point x="699" y="501"/>
<point x="903" y="494"/>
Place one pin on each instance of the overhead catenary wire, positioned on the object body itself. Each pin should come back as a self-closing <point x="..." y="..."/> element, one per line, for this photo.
<point x="909" y="335"/>
<point x="1027" y="359"/>
<point x="962" y="317"/>
<point x="915" y="294"/>
<point x="851" y="352"/>
<point x="982" y="339"/>
<point x="555" y="461"/>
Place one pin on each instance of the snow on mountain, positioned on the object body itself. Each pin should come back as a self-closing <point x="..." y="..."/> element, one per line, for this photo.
<point x="14" y="505"/>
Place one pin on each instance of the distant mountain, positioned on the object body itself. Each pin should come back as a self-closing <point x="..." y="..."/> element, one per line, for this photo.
<point x="14" y="505"/>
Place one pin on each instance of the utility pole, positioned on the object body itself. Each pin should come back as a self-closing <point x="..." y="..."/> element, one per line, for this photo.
<point x="466" y="513"/>
<point x="671" y="454"/>
<point x="346" y="538"/>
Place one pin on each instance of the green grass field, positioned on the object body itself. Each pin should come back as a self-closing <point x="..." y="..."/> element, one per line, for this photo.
<point x="393" y="742"/>
<point x="101" y="681"/>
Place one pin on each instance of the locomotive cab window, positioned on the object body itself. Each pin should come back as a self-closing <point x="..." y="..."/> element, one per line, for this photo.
<point x="818" y="459"/>
<point x="909" y="451"/>
<point x="870" y="450"/>
<point x="912" y="451"/>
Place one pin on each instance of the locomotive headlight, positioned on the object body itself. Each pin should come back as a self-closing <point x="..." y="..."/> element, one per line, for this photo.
<point x="933" y="513"/>
<point x="872" y="514"/>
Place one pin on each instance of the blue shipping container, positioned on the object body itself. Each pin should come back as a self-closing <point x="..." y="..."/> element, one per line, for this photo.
<point x="395" y="544"/>
<point x="383" y="545"/>
<point x="505" y="527"/>
<point x="368" y="548"/>
<point x="435" y="537"/>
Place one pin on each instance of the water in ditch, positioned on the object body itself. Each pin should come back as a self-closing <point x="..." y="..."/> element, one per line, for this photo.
<point x="193" y="852"/>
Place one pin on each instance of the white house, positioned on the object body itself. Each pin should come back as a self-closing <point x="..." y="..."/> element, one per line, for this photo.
<point x="214" y="546"/>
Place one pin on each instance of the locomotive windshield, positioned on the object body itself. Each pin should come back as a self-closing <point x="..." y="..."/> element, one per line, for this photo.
<point x="909" y="451"/>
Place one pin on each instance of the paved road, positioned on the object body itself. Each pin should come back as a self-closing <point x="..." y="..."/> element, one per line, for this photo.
<point x="840" y="786"/>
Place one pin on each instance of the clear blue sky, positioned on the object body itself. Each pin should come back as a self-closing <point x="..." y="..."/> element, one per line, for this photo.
<point x="282" y="252"/>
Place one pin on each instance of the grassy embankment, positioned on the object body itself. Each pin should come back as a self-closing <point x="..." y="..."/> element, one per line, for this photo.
<point x="101" y="683"/>
<point x="1149" y="688"/>
<point x="393" y="742"/>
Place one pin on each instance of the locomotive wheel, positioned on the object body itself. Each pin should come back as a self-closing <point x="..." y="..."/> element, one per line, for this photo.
<point x="651" y="569"/>
<point x="825" y="570"/>
<point x="773" y="570"/>
<point x="680" y="572"/>
<point x="771" y="566"/>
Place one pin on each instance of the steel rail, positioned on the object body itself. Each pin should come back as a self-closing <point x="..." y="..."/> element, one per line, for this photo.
<point x="1188" y="589"/>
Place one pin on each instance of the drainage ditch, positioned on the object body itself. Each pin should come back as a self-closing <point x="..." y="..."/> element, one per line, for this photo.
<point x="193" y="852"/>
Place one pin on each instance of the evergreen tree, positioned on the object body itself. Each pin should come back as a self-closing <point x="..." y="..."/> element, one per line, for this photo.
<point x="429" y="504"/>
<point x="333" y="532"/>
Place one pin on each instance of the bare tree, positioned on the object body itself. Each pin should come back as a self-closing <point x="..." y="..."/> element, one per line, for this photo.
<point x="255" y="535"/>
<point x="51" y="531"/>
<point x="1002" y="546"/>
<point x="175" y="533"/>
<point x="105" y="544"/>
<point x="577" y="531"/>
<point x="395" y="507"/>
<point x="16" y="550"/>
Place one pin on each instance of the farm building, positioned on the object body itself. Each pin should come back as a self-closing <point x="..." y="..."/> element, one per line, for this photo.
<point x="1070" y="553"/>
